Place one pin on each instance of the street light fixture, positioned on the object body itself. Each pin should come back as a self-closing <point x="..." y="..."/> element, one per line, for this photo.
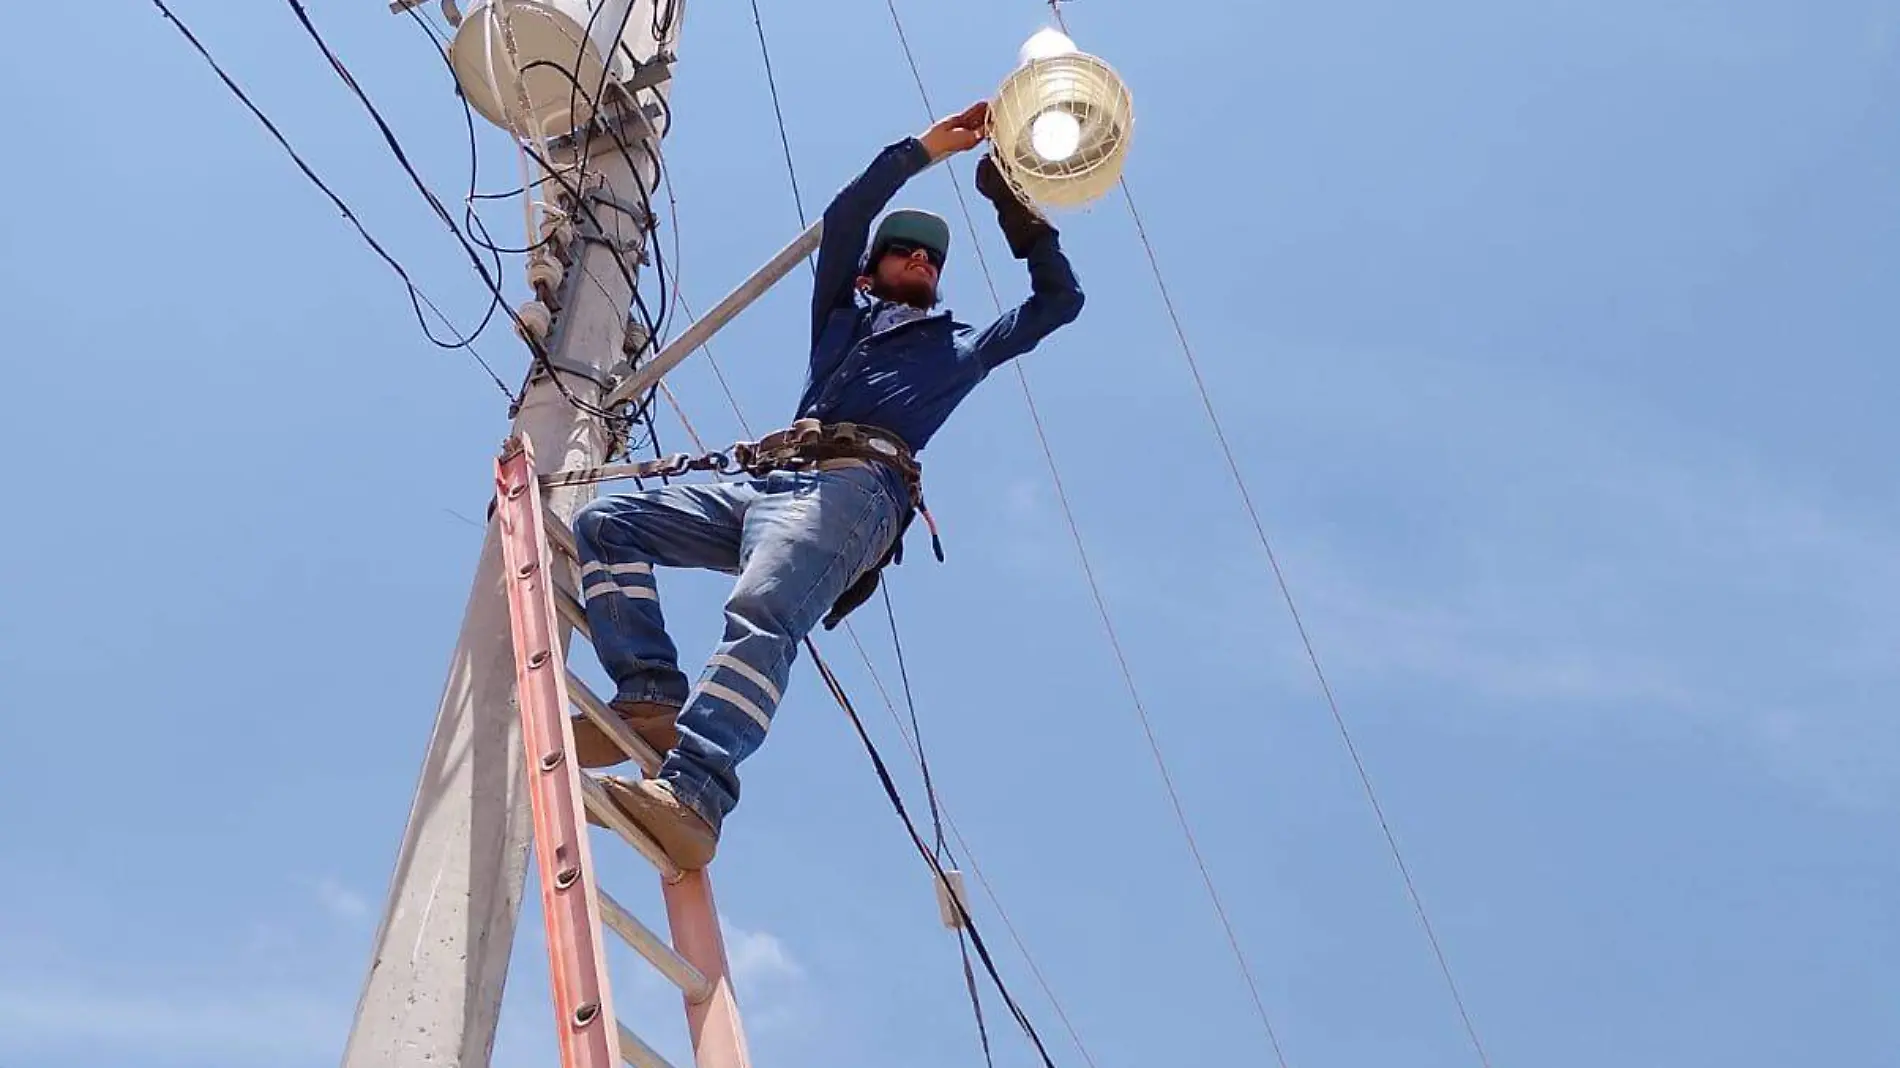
<point x="1061" y="123"/>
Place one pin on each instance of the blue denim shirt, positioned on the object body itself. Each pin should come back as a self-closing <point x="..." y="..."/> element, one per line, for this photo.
<point x="907" y="379"/>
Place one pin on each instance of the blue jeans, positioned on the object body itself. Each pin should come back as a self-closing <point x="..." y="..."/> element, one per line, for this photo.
<point x="794" y="540"/>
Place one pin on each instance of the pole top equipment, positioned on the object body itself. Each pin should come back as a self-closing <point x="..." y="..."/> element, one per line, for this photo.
<point x="556" y="43"/>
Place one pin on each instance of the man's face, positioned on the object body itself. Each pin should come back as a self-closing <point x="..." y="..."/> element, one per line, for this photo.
<point x="908" y="274"/>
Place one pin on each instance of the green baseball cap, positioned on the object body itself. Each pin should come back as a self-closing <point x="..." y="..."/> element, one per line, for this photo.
<point x="918" y="227"/>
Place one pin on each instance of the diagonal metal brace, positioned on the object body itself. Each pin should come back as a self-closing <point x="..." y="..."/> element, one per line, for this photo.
<point x="718" y="316"/>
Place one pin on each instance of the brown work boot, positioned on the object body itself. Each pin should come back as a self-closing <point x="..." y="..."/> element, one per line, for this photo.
<point x="657" y="725"/>
<point x="682" y="834"/>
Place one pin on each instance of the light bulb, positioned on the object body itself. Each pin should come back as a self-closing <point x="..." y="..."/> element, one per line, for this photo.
<point x="1045" y="44"/>
<point x="1055" y="135"/>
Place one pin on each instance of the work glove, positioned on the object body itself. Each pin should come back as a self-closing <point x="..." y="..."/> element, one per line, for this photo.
<point x="1022" y="225"/>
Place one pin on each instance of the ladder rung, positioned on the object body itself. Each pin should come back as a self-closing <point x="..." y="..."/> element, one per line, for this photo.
<point x="638" y="1053"/>
<point x="691" y="981"/>
<point x="613" y="726"/>
<point x="573" y="613"/>
<point x="609" y="813"/>
<point x="560" y="535"/>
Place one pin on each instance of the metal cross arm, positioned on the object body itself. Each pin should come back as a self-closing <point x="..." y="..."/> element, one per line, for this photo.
<point x="648" y="374"/>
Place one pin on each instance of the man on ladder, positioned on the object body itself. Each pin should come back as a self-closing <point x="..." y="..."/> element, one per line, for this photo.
<point x="807" y="539"/>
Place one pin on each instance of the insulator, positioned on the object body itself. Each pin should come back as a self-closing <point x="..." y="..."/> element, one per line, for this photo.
<point x="545" y="275"/>
<point x="538" y="320"/>
<point x="556" y="227"/>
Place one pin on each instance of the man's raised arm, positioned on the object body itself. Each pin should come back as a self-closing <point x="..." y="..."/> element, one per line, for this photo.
<point x="849" y="216"/>
<point x="1055" y="297"/>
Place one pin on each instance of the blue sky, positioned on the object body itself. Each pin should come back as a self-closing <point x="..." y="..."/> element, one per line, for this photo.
<point x="1556" y="340"/>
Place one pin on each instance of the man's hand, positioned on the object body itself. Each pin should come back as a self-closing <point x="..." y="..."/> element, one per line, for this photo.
<point x="958" y="133"/>
<point x="994" y="187"/>
<point x="1022" y="224"/>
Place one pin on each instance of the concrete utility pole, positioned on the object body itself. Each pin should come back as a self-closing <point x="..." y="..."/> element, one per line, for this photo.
<point x="440" y="958"/>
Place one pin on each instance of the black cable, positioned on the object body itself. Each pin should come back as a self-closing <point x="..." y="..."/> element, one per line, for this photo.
<point x="574" y="80"/>
<point x="976" y="1001"/>
<point x="784" y="139"/>
<point x="917" y="839"/>
<point x="416" y="297"/>
<point x="512" y="193"/>
<point x="939" y="854"/>
<point x="476" y="226"/>
<point x="662" y="27"/>
<point x="402" y="158"/>
<point x="942" y="848"/>
<point x="572" y="187"/>
<point x="655" y="325"/>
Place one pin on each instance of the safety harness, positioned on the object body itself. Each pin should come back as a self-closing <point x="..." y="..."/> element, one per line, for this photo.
<point x="806" y="445"/>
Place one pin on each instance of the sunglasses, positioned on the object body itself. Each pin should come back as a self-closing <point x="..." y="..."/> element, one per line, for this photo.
<point x="907" y="249"/>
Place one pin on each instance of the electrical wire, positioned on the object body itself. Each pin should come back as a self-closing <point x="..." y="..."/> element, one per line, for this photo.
<point x="896" y="799"/>
<point x="969" y="854"/>
<point x="1101" y="604"/>
<point x="784" y="138"/>
<point x="417" y="298"/>
<point x="1306" y="642"/>
<point x="1292" y="605"/>
<point x="974" y="938"/>
<point x="394" y="145"/>
<point x="913" y="742"/>
<point x="939" y="847"/>
<point x="642" y="413"/>
<point x="917" y="730"/>
<point x="471" y="220"/>
<point x="655" y="324"/>
<point x="940" y="854"/>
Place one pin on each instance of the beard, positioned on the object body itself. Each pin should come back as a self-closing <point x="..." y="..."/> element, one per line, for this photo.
<point x="914" y="292"/>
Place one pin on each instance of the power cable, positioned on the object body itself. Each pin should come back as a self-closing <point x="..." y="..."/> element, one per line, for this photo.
<point x="1101" y="604"/>
<point x="917" y="730"/>
<point x="917" y="839"/>
<point x="1293" y="609"/>
<point x="939" y="846"/>
<point x="654" y="324"/>
<point x="913" y="743"/>
<point x="1306" y="642"/>
<point x="394" y="145"/>
<point x="940" y="850"/>
<point x="477" y="227"/>
<point x="969" y="854"/>
<point x="417" y="298"/>
<point x="642" y="413"/>
<point x="784" y="138"/>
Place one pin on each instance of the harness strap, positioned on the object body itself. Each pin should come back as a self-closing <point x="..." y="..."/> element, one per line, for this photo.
<point x="803" y="445"/>
<point x="800" y="447"/>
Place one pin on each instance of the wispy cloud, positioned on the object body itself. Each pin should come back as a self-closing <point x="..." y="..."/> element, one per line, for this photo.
<point x="1590" y="559"/>
<point x="39" y="1019"/>
<point x="339" y="900"/>
<point x="759" y="957"/>
<point x="771" y="983"/>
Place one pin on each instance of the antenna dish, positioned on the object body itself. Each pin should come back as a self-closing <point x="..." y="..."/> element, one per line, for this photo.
<point x="1061" y="123"/>
<point x="551" y="42"/>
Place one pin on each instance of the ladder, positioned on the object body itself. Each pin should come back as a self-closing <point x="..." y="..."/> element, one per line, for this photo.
<point x="562" y="796"/>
